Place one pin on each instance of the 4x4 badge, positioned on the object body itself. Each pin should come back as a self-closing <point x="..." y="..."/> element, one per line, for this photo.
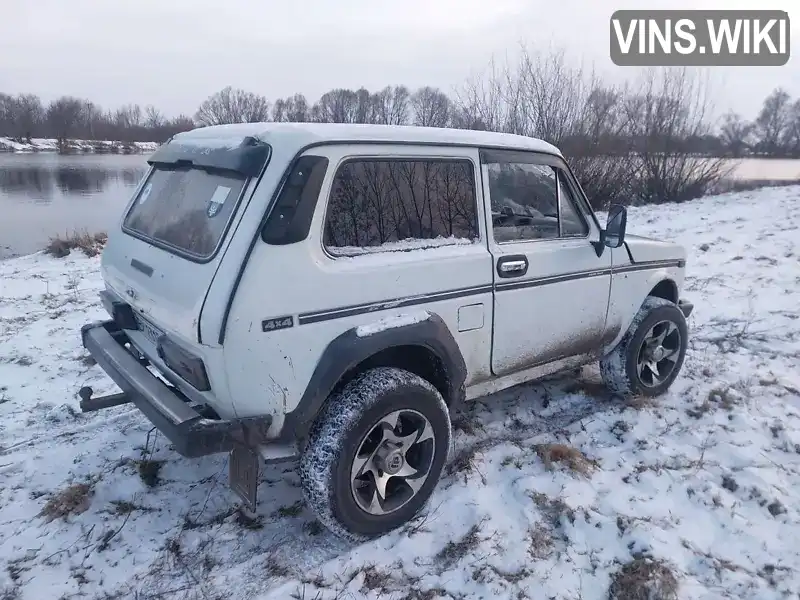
<point x="274" y="324"/>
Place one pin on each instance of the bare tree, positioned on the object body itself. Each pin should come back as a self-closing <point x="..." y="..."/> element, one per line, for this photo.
<point x="791" y="137"/>
<point x="345" y="106"/>
<point x="153" y="118"/>
<point x="602" y="124"/>
<point x="233" y="106"/>
<point x="391" y="105"/>
<point x="173" y="126"/>
<point x="27" y="115"/>
<point x="548" y="95"/>
<point x="128" y="116"/>
<point x="480" y="103"/>
<point x="670" y="107"/>
<point x="23" y="117"/>
<point x="599" y="148"/>
<point x="539" y="95"/>
<point x="93" y="122"/>
<point x="772" y="122"/>
<point x="293" y="109"/>
<point x="431" y="107"/>
<point x="63" y="116"/>
<point x="6" y="112"/>
<point x="335" y="106"/>
<point x="366" y="110"/>
<point x="736" y="134"/>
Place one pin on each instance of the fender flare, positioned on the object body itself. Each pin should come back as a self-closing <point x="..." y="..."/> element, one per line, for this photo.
<point x="348" y="350"/>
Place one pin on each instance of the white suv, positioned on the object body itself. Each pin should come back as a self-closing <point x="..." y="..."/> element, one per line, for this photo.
<point x="334" y="292"/>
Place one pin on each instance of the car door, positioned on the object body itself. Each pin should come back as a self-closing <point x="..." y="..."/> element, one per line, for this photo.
<point x="551" y="289"/>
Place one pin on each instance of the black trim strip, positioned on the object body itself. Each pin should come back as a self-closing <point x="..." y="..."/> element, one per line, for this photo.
<point x="540" y="281"/>
<point x="357" y="309"/>
<point x="649" y="265"/>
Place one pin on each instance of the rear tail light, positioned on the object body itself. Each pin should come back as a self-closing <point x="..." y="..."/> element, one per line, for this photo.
<point x="185" y="364"/>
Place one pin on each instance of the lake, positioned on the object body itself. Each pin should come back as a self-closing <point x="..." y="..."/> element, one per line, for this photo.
<point x="43" y="195"/>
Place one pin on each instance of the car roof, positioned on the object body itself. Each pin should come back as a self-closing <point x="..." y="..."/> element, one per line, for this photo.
<point x="296" y="136"/>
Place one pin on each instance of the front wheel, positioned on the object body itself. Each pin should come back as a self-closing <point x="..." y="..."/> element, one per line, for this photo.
<point x="375" y="454"/>
<point x="650" y="355"/>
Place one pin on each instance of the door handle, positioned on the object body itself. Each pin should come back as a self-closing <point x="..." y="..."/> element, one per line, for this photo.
<point x="512" y="266"/>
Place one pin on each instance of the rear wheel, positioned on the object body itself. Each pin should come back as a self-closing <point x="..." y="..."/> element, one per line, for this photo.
<point x="375" y="454"/>
<point x="650" y="355"/>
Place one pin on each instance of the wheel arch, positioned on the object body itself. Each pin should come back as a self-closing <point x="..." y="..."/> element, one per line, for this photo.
<point x="426" y="348"/>
<point x="666" y="289"/>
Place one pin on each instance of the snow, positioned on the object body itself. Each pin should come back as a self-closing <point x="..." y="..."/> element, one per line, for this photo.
<point x="51" y="145"/>
<point x="400" y="320"/>
<point x="705" y="478"/>
<point x="400" y="246"/>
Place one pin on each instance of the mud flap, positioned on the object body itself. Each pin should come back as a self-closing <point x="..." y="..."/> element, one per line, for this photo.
<point x="243" y="474"/>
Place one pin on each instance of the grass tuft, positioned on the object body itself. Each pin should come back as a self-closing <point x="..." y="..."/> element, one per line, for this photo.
<point x="644" y="579"/>
<point x="375" y="579"/>
<point x="72" y="500"/>
<point x="149" y="471"/>
<point x="455" y="551"/>
<point x="91" y="244"/>
<point x="570" y="457"/>
<point x="293" y="510"/>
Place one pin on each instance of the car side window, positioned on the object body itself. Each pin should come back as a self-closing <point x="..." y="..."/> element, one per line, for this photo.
<point x="531" y="202"/>
<point x="524" y="199"/>
<point x="380" y="205"/>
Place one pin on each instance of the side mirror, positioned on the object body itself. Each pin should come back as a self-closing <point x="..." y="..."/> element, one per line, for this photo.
<point x="614" y="235"/>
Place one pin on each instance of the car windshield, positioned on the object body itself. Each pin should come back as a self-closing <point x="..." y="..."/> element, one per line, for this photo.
<point x="185" y="208"/>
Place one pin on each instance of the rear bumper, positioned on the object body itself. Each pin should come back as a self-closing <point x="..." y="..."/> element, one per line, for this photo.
<point x="686" y="307"/>
<point x="191" y="433"/>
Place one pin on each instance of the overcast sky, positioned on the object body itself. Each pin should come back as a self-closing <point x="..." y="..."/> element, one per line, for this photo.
<point x="174" y="53"/>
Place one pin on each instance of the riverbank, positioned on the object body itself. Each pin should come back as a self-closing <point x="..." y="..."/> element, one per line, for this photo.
<point x="701" y="485"/>
<point x="77" y="146"/>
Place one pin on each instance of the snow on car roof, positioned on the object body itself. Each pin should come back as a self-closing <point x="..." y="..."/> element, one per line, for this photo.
<point x="299" y="135"/>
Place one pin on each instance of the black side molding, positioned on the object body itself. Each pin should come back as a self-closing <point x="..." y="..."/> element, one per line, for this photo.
<point x="349" y="350"/>
<point x="686" y="307"/>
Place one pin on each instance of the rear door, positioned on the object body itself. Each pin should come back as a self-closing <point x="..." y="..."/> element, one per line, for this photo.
<point x="173" y="232"/>
<point x="551" y="289"/>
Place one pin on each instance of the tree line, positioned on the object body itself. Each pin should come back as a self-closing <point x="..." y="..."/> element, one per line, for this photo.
<point x="651" y="139"/>
<point x="25" y="116"/>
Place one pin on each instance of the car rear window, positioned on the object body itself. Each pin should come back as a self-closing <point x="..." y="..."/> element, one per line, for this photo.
<point x="185" y="208"/>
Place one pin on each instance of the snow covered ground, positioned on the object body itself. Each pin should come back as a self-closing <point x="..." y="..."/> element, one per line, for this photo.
<point x="705" y="481"/>
<point x="51" y="145"/>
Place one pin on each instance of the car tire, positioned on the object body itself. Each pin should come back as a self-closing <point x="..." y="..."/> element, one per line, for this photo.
<point x="650" y="355"/>
<point x="384" y="421"/>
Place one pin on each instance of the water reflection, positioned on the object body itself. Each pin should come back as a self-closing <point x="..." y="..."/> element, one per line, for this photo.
<point x="42" y="184"/>
<point x="43" y="195"/>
